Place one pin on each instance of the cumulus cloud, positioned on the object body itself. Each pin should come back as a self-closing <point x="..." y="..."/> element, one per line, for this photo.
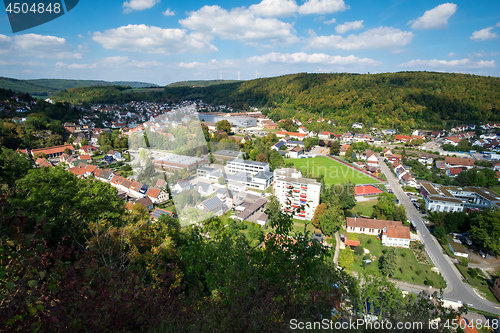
<point x="148" y="39"/>
<point x="37" y="46"/>
<point x="169" y="12"/>
<point x="110" y="62"/>
<point x="322" y="7"/>
<point x="449" y="64"/>
<point x="484" y="34"/>
<point x="314" y="58"/>
<point x="348" y="26"/>
<point x="238" y="24"/>
<point x="332" y="21"/>
<point x="381" y="37"/>
<point x="436" y="18"/>
<point x="275" y="8"/>
<point x="130" y="6"/>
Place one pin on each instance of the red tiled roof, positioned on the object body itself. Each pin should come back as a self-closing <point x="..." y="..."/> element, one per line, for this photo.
<point x="52" y="150"/>
<point x="85" y="157"/>
<point x="153" y="192"/>
<point x="77" y="171"/>
<point x="398" y="231"/>
<point x="367" y="190"/>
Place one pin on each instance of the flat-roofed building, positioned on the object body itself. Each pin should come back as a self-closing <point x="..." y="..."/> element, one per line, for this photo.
<point x="225" y="155"/>
<point x="297" y="193"/>
<point x="253" y="167"/>
<point x="440" y="198"/>
<point x="174" y="161"/>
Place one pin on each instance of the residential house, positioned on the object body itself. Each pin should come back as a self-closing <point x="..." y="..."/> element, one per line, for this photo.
<point x="458" y="162"/>
<point x="181" y="185"/>
<point x="386" y="152"/>
<point x="402" y="138"/>
<point x="396" y="236"/>
<point x="155" y="215"/>
<point x="296" y="152"/>
<point x="453" y="172"/>
<point x="393" y="158"/>
<point x="324" y="135"/>
<point x="343" y="149"/>
<point x="357" y="125"/>
<point x="205" y="189"/>
<point x="85" y="158"/>
<point x="278" y="145"/>
<point x="156" y="195"/>
<point x="145" y="202"/>
<point x="213" y="205"/>
<point x="366" y="226"/>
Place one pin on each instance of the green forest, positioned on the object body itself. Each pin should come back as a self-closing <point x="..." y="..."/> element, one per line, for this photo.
<point x="402" y="100"/>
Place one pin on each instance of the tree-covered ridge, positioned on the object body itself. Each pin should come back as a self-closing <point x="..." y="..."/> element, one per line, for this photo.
<point x="408" y="98"/>
<point x="398" y="100"/>
<point x="200" y="83"/>
<point x="48" y="87"/>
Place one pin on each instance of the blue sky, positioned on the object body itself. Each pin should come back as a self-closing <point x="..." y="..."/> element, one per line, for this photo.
<point x="161" y="41"/>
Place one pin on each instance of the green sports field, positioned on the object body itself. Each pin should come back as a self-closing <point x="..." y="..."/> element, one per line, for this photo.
<point x="333" y="171"/>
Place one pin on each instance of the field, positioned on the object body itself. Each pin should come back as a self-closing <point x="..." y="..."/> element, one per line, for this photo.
<point x="334" y="172"/>
<point x="408" y="268"/>
<point x="364" y="208"/>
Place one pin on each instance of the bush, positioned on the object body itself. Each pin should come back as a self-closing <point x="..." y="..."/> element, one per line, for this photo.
<point x="359" y="250"/>
<point x="366" y="256"/>
<point x="464" y="262"/>
<point x="472" y="272"/>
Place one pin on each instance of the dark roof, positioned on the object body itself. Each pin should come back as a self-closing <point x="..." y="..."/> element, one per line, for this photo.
<point x="159" y="212"/>
<point x="212" y="203"/>
<point x="146" y="202"/>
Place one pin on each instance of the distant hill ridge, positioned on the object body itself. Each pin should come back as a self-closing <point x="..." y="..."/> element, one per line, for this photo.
<point x="200" y="83"/>
<point x="48" y="87"/>
<point x="402" y="100"/>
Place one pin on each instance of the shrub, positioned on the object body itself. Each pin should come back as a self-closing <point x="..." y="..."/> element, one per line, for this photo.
<point x="359" y="250"/>
<point x="472" y="272"/>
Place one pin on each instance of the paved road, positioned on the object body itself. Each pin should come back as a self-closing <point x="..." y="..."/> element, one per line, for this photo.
<point x="455" y="289"/>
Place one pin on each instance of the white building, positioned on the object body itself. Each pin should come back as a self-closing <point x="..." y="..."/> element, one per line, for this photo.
<point x="396" y="235"/>
<point x="294" y="192"/>
<point x="253" y="167"/>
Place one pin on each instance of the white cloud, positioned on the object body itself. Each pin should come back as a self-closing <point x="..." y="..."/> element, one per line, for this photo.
<point x="275" y="8"/>
<point x="322" y="7"/>
<point x="436" y="18"/>
<point x="381" y="37"/>
<point x="483" y="54"/>
<point x="169" y="12"/>
<point x="332" y="21"/>
<point x="484" y="34"/>
<point x="348" y="26"/>
<point x="129" y="6"/>
<point x="238" y="24"/>
<point x="37" y="46"/>
<point x="449" y="64"/>
<point x="314" y="58"/>
<point x="111" y="62"/>
<point x="211" y="64"/>
<point x="147" y="39"/>
<point x="452" y="54"/>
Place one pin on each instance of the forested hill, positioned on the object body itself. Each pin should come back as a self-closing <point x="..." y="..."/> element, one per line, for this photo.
<point x="200" y="83"/>
<point x="403" y="100"/>
<point x="48" y="87"/>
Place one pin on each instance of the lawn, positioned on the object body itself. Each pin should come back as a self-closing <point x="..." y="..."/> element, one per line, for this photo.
<point x="477" y="282"/>
<point x="364" y="208"/>
<point x="409" y="269"/>
<point x="333" y="171"/>
<point x="496" y="189"/>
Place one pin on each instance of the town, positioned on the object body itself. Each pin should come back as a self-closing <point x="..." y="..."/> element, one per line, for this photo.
<point x="194" y="161"/>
